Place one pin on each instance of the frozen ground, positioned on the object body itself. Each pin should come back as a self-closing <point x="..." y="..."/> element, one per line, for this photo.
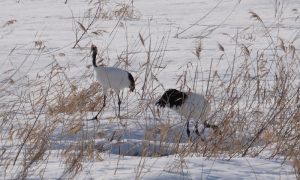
<point x="171" y="167"/>
<point x="28" y="25"/>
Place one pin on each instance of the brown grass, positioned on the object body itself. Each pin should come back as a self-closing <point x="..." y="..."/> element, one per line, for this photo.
<point x="254" y="102"/>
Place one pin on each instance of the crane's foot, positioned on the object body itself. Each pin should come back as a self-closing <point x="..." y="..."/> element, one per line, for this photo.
<point x="93" y="119"/>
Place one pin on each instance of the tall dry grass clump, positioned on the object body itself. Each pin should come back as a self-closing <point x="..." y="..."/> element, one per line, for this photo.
<point x="254" y="99"/>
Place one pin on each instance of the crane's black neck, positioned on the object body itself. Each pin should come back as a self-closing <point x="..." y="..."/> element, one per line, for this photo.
<point x="94" y="58"/>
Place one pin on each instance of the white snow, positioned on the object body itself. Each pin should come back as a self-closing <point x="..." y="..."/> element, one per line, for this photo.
<point x="169" y="24"/>
<point x="174" y="167"/>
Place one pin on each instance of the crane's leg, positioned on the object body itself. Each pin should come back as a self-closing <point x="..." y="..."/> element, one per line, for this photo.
<point x="196" y="129"/>
<point x="119" y="104"/>
<point x="188" y="128"/>
<point x="104" y="99"/>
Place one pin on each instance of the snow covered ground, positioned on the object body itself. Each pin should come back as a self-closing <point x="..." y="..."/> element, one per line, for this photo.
<point x="37" y="35"/>
<point x="129" y="167"/>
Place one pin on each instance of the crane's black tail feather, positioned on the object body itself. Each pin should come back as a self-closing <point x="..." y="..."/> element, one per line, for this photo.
<point x="132" y="83"/>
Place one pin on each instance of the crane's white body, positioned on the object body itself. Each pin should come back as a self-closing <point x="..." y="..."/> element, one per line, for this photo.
<point x="189" y="105"/>
<point x="111" y="77"/>
<point x="195" y="106"/>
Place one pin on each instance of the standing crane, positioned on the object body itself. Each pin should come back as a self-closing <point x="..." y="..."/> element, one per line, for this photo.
<point x="111" y="78"/>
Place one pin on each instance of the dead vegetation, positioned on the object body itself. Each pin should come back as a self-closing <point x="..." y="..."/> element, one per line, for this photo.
<point x="102" y="10"/>
<point x="85" y="100"/>
<point x="255" y="102"/>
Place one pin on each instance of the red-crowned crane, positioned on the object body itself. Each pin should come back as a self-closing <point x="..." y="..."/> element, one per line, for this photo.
<point x="188" y="104"/>
<point x="111" y="78"/>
